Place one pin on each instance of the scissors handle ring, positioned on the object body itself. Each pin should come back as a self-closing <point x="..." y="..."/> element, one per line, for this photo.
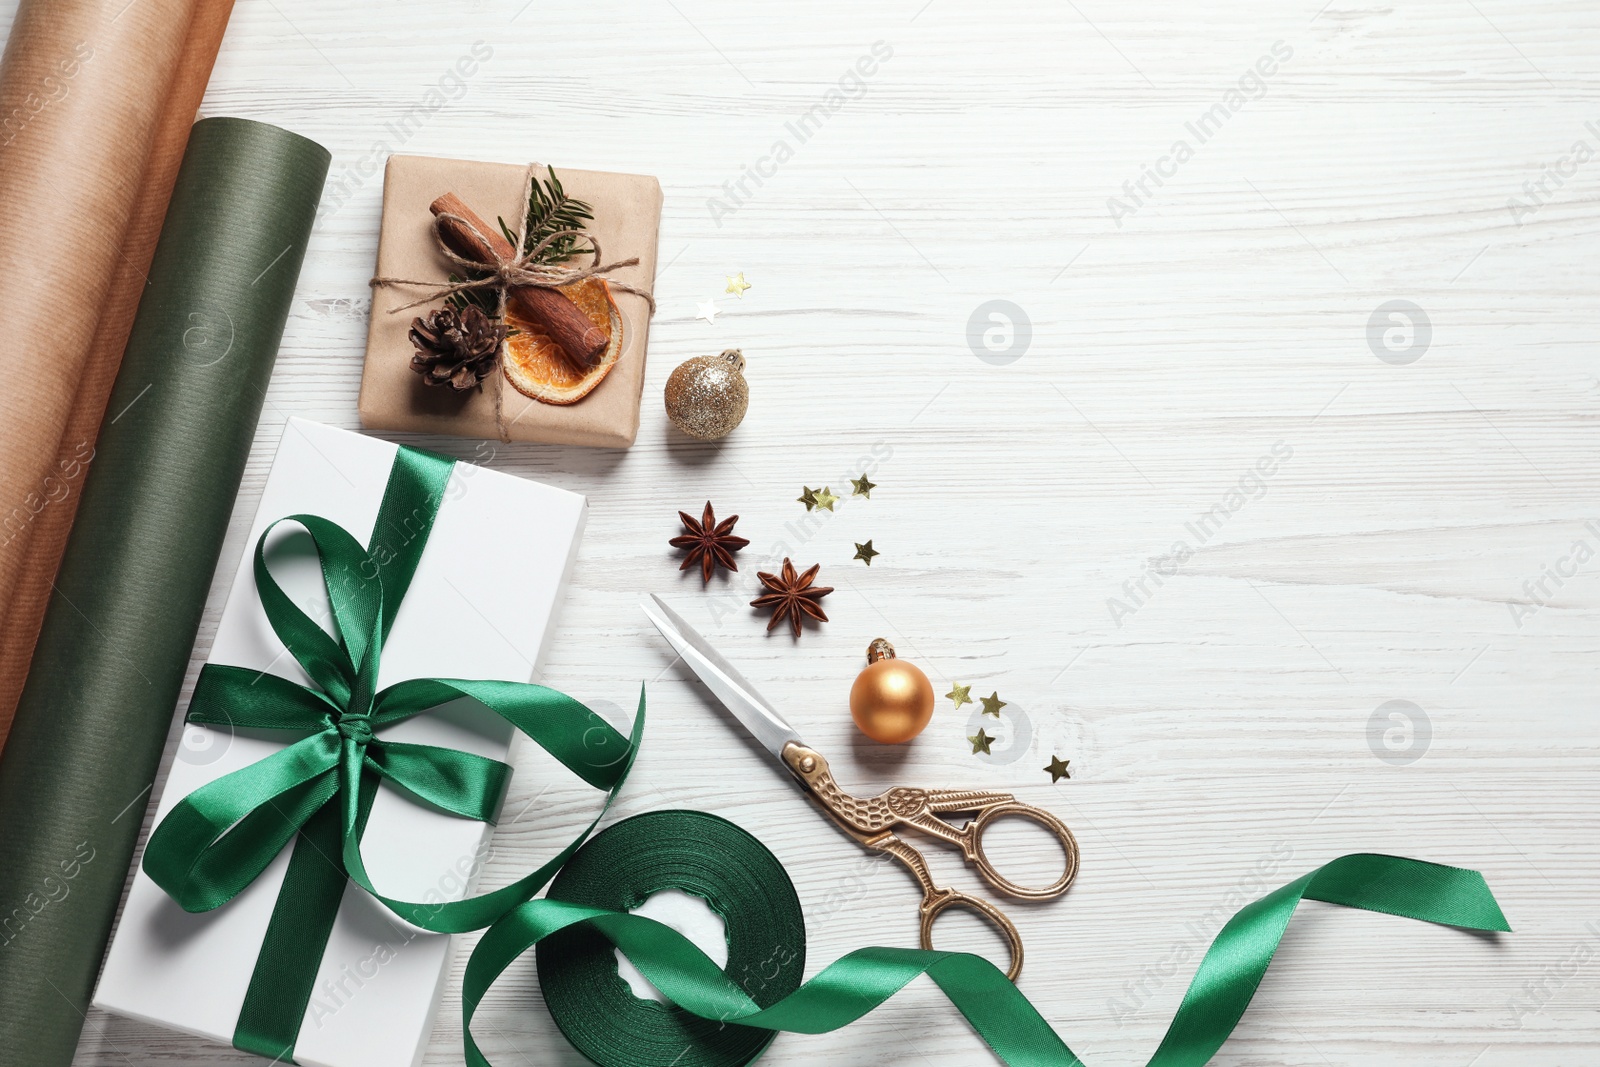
<point x="944" y="899"/>
<point x="937" y="899"/>
<point x="973" y="847"/>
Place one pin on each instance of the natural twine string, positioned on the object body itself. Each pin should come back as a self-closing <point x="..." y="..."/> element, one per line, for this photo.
<point x="521" y="270"/>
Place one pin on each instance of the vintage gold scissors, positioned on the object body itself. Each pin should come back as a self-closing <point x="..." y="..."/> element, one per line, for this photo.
<point x="873" y="820"/>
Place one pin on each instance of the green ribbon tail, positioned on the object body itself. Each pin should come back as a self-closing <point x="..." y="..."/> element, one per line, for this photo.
<point x="856" y="984"/>
<point x="474" y="913"/>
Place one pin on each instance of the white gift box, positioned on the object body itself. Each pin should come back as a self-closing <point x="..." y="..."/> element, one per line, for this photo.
<point x="480" y="606"/>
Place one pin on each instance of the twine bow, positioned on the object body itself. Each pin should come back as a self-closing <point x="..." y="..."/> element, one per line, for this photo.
<point x="523" y="270"/>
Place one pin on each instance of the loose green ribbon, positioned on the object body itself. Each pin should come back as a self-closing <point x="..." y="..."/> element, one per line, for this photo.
<point x="851" y="987"/>
<point x="319" y="790"/>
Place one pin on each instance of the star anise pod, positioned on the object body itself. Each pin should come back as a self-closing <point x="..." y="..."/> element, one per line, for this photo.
<point x="792" y="595"/>
<point x="709" y="543"/>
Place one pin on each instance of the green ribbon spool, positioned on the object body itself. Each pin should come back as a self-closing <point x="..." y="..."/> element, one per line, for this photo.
<point x="318" y="791"/>
<point x="851" y="987"/>
<point x="697" y="853"/>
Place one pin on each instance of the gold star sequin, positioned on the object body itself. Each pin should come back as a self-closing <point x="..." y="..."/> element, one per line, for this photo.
<point x="958" y="693"/>
<point x="862" y="487"/>
<point x="737" y="285"/>
<point x="1058" y="768"/>
<point x="992" y="704"/>
<point x="825" y="499"/>
<point x="808" y="498"/>
<point x="981" y="742"/>
<point x="865" y="552"/>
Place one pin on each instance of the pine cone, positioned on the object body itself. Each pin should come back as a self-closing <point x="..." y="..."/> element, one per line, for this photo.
<point x="457" y="348"/>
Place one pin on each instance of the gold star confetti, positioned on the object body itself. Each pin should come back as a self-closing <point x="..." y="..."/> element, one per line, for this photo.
<point x="1058" y="768"/>
<point x="958" y="693"/>
<point x="865" y="552"/>
<point x="825" y="498"/>
<point x="981" y="742"/>
<point x="992" y="704"/>
<point x="708" y="311"/>
<point x="737" y="285"/>
<point x="862" y="487"/>
<point x="808" y="498"/>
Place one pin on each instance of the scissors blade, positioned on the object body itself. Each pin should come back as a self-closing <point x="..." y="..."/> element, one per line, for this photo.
<point x="719" y="676"/>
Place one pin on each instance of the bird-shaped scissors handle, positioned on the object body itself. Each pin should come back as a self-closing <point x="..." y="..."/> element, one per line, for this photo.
<point x="872" y="820"/>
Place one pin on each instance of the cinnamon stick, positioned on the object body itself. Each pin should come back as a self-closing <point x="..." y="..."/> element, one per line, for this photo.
<point x="579" y="338"/>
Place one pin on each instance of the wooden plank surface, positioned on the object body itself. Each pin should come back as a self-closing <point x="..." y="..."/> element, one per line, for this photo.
<point x="1219" y="723"/>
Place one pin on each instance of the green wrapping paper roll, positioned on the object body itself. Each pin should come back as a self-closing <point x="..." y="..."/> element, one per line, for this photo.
<point x="94" y="716"/>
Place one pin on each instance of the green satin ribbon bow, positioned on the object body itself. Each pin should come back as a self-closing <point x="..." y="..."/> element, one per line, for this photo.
<point x="849" y="988"/>
<point x="319" y="790"/>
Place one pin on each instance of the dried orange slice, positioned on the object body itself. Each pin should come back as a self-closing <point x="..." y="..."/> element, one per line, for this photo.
<point x="539" y="368"/>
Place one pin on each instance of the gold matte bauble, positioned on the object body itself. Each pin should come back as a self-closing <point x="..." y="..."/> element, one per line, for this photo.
<point x="892" y="700"/>
<point x="707" y="396"/>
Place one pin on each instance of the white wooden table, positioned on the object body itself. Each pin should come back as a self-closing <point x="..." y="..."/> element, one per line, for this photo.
<point x="1219" y="723"/>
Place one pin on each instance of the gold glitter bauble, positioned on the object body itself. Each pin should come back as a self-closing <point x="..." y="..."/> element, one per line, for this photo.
<point x="707" y="395"/>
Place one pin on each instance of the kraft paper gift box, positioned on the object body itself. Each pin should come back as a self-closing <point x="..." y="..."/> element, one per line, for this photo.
<point x="627" y="217"/>
<point x="480" y="606"/>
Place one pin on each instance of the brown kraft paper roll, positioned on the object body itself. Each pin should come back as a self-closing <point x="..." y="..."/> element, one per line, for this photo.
<point x="93" y="69"/>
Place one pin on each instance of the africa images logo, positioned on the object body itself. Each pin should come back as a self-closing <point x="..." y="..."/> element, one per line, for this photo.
<point x="1251" y="85"/>
<point x="850" y="85"/>
<point x="1252" y="485"/>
